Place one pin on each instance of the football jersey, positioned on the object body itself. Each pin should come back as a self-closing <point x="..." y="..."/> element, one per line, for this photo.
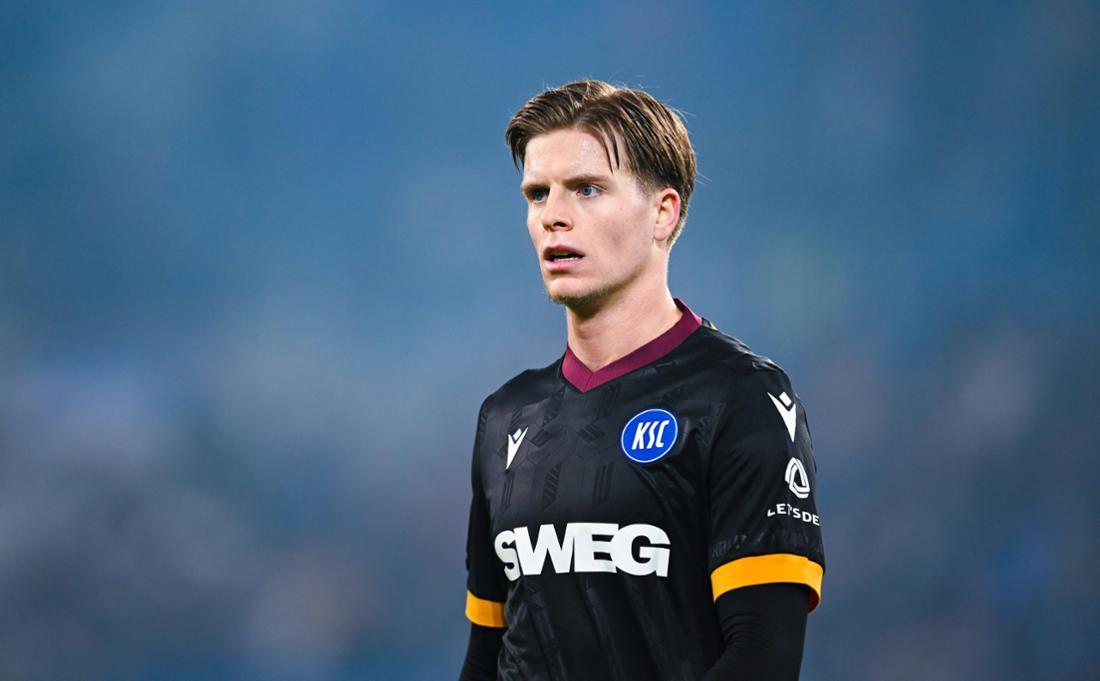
<point x="611" y="509"/>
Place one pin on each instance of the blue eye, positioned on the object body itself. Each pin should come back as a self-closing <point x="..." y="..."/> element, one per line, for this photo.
<point x="538" y="195"/>
<point x="589" y="190"/>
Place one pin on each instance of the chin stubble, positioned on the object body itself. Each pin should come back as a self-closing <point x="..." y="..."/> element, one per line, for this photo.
<point x="582" y="301"/>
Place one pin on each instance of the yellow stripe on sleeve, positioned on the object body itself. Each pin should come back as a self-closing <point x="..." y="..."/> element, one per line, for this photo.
<point x="485" y="613"/>
<point x="769" y="569"/>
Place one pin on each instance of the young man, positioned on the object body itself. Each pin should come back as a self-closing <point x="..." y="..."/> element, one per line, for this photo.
<point x="643" y="508"/>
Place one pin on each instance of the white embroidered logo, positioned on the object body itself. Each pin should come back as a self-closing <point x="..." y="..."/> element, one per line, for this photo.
<point x="796" y="478"/>
<point x="513" y="445"/>
<point x="787" y="409"/>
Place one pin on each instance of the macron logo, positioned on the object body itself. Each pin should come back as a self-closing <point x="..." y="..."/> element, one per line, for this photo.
<point x="787" y="410"/>
<point x="513" y="445"/>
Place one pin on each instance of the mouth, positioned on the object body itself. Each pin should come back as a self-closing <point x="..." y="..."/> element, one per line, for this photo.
<point x="561" y="254"/>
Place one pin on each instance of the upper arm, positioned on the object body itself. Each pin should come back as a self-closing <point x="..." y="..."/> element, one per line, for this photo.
<point x="486" y="586"/>
<point x="763" y="520"/>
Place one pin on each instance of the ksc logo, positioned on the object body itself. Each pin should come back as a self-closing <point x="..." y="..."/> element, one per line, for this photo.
<point x="649" y="435"/>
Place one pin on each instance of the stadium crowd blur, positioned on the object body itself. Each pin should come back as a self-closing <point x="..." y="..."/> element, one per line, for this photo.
<point x="260" y="265"/>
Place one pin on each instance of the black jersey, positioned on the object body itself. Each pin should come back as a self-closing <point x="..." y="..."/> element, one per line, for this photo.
<point x="611" y="509"/>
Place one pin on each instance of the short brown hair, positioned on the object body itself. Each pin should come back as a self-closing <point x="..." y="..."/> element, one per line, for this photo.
<point x="655" y="142"/>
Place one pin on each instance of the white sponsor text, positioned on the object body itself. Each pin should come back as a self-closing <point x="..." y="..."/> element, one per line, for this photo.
<point x="586" y="547"/>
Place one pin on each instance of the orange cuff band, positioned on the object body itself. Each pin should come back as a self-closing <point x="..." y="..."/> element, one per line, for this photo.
<point x="485" y="613"/>
<point x="769" y="569"/>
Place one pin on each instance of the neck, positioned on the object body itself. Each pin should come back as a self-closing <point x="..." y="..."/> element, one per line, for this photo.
<point x="619" y="326"/>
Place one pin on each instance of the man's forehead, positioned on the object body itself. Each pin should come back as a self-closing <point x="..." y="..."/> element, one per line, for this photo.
<point x="566" y="152"/>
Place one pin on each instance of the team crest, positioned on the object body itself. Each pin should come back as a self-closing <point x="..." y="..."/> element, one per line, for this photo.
<point x="649" y="435"/>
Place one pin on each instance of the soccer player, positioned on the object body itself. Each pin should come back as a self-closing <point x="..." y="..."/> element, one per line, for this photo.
<point x="643" y="507"/>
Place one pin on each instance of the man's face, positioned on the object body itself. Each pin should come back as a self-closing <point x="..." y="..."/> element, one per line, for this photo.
<point x="592" y="229"/>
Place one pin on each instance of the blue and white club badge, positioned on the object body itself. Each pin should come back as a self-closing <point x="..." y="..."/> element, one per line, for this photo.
<point x="649" y="435"/>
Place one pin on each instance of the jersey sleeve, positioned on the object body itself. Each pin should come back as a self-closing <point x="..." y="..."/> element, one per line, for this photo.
<point x="762" y="484"/>
<point x="486" y="585"/>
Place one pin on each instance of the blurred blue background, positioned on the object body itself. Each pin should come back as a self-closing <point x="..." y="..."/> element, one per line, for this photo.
<point x="260" y="262"/>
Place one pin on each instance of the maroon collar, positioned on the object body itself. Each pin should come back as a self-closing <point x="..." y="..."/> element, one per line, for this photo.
<point x="584" y="379"/>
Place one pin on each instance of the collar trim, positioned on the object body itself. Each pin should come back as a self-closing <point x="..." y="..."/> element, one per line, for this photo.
<point x="584" y="379"/>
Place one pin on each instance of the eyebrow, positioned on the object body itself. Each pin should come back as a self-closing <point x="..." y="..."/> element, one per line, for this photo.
<point x="574" y="181"/>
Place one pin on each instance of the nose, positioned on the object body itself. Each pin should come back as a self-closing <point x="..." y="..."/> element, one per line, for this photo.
<point x="556" y="213"/>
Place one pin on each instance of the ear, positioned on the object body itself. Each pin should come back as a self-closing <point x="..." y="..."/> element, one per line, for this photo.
<point x="668" y="213"/>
